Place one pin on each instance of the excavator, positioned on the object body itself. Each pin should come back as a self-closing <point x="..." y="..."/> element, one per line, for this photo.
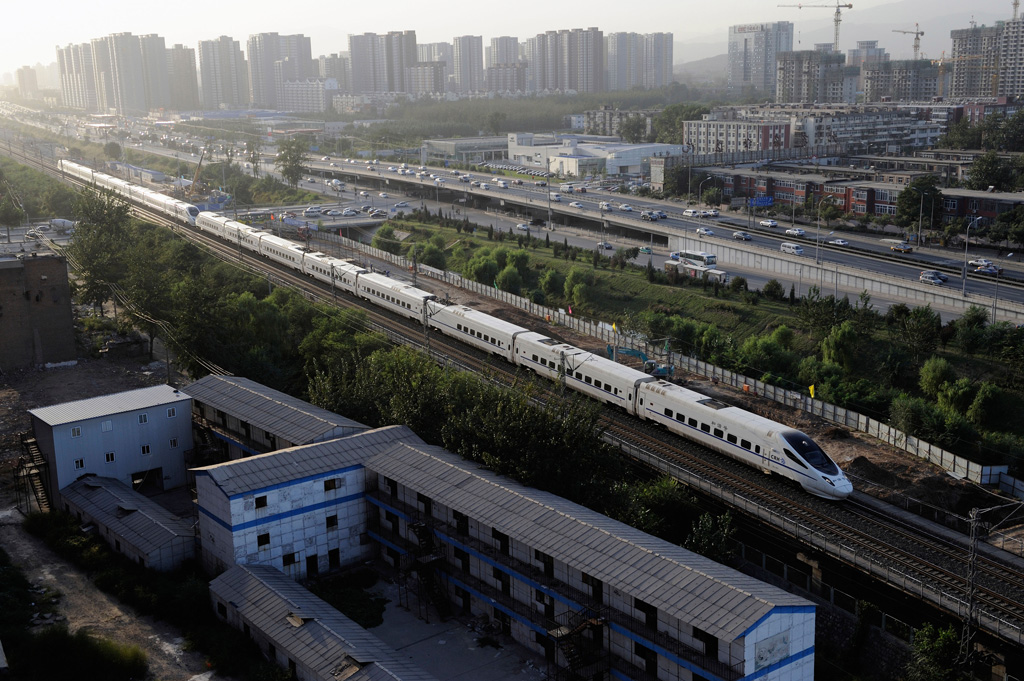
<point x="650" y="366"/>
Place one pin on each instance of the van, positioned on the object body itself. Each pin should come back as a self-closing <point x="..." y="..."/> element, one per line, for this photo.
<point x="503" y="184"/>
<point x="484" y="185"/>
<point x="788" y="247"/>
<point x="312" y="211"/>
<point x="605" y="205"/>
<point x="691" y="213"/>
<point x="556" y="197"/>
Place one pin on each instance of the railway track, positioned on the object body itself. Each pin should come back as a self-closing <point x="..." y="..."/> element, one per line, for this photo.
<point x="932" y="568"/>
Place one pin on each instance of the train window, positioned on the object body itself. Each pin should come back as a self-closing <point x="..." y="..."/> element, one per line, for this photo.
<point x="719" y="432"/>
<point x="535" y="358"/>
<point x="692" y="423"/>
<point x="668" y="413"/>
<point x="705" y="427"/>
<point x="757" y="449"/>
<point x="586" y="379"/>
<point x="608" y="387"/>
<point x="793" y="457"/>
<point x="543" y="362"/>
<point x="745" y="444"/>
<point x="731" y="438"/>
<point x="641" y="401"/>
<point x="458" y="327"/>
<point x="579" y="376"/>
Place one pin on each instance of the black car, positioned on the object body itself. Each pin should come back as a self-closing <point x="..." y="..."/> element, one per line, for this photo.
<point x="536" y="222"/>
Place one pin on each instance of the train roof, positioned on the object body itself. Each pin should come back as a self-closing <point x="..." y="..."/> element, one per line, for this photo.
<point x="736" y="414"/>
<point x="382" y="281"/>
<point x="471" y="314"/>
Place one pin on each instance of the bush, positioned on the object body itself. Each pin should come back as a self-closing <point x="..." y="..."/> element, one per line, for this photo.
<point x="738" y="284"/>
<point x="773" y="290"/>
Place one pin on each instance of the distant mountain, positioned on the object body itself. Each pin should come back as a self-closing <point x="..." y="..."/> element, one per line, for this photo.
<point x="709" y="67"/>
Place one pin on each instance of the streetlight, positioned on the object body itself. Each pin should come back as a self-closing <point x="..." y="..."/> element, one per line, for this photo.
<point x="920" y="212"/>
<point x="967" y="242"/>
<point x="700" y="189"/>
<point x="995" y="298"/>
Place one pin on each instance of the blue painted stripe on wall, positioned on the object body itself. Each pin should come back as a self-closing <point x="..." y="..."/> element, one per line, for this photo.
<point x="685" y="664"/>
<point x="280" y="516"/>
<point x="385" y="542"/>
<point x="499" y="606"/>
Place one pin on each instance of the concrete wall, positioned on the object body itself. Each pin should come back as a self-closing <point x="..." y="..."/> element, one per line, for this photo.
<point x="36" y="324"/>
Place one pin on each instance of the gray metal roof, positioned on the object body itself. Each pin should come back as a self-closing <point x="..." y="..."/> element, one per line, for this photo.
<point x="275" y="412"/>
<point x="307" y="629"/>
<point x="287" y="465"/>
<point x="106" y="405"/>
<point x="136" y="518"/>
<point x="716" y="598"/>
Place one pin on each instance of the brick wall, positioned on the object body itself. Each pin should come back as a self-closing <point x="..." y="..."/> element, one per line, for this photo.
<point x="36" y="323"/>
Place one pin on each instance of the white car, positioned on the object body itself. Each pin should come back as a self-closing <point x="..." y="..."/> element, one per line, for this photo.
<point x="981" y="262"/>
<point x="934" y="273"/>
<point x="626" y="208"/>
<point x="713" y="213"/>
<point x="575" y="204"/>
<point x="402" y="204"/>
<point x="795" y="231"/>
<point x="383" y="195"/>
<point x="704" y="231"/>
<point x="839" y="242"/>
<point x="930" y="279"/>
<point x="604" y="245"/>
<point x="768" y="223"/>
<point x="364" y="193"/>
<point x="523" y="226"/>
<point x="348" y="212"/>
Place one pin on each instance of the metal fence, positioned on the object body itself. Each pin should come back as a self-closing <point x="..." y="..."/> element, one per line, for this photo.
<point x="956" y="465"/>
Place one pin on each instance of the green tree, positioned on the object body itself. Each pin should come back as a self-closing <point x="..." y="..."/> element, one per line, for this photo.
<point x="935" y="372"/>
<point x="668" y="125"/>
<point x="101" y="238"/>
<point x="773" y="290"/>
<point x="10" y="215"/>
<point x="112" y="150"/>
<point x="254" y="155"/>
<point x="634" y="129"/>
<point x="712" y="537"/>
<point x="988" y="170"/>
<point x="840" y="346"/>
<point x="291" y="160"/>
<point x="985" y="410"/>
<point x="909" y="204"/>
<point x="552" y="282"/>
<point x="828" y="211"/>
<point x="577" y="276"/>
<point x="956" y="396"/>
<point x="934" y="655"/>
<point x="385" y="240"/>
<point x="510" y="280"/>
<point x="917" y="330"/>
<point x="496" y="122"/>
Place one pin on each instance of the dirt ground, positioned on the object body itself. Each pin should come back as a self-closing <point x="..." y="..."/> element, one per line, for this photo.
<point x="85" y="606"/>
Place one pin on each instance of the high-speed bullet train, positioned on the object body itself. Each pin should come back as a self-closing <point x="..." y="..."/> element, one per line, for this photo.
<point x="179" y="210"/>
<point x="751" y="439"/>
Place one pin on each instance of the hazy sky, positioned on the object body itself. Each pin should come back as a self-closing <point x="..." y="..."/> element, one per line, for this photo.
<point x="32" y="30"/>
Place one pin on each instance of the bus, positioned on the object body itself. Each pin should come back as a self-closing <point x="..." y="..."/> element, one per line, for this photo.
<point x="699" y="258"/>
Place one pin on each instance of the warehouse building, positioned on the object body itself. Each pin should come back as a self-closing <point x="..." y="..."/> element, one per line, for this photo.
<point x="593" y="595"/>
<point x="243" y="418"/>
<point x="299" y="631"/>
<point x="301" y="510"/>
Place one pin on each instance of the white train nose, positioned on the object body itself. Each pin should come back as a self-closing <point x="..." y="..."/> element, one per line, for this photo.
<point x="843" y="487"/>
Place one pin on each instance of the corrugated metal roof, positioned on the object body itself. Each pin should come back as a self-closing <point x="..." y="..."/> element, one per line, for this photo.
<point x="307" y="629"/>
<point x="141" y="521"/>
<point x="286" y="465"/>
<point x="695" y="589"/>
<point x="106" y="405"/>
<point x="275" y="412"/>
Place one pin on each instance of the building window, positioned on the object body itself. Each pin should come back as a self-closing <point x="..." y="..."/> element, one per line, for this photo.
<point x="462" y="558"/>
<point x="330" y="484"/>
<point x="76" y="431"/>
<point x="332" y="522"/>
<point x="222" y="610"/>
<point x="174" y="443"/>
<point x="79" y="464"/>
<point x="109" y="457"/>
<point x="145" y="450"/>
<point x="171" y="412"/>
<point x="261" y="502"/>
<point x="392" y="519"/>
<point x="106" y="426"/>
<point x="501" y="539"/>
<point x="461" y="522"/>
<point x="263" y="539"/>
<point x="143" y="418"/>
<point x="289" y="559"/>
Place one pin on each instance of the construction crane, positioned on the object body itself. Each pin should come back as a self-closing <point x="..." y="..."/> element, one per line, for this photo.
<point x="195" y="178"/>
<point x="917" y="33"/>
<point x="943" y="60"/>
<point x="1016" y="7"/>
<point x="838" y="18"/>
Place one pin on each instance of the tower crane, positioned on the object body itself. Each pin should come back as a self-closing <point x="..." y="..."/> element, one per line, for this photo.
<point x="838" y="16"/>
<point x="917" y="33"/>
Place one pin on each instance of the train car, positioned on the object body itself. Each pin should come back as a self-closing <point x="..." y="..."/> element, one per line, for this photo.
<point x="393" y="295"/>
<point x="280" y="250"/>
<point x="214" y="223"/>
<point x="754" y="440"/>
<point x="476" y="328"/>
<point x="585" y="372"/>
